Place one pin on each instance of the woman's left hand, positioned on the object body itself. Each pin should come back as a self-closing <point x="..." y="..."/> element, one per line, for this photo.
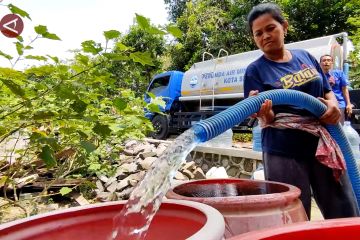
<point x="332" y="114"/>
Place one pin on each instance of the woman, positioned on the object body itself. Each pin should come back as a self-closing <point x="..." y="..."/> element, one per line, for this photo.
<point x="296" y="148"/>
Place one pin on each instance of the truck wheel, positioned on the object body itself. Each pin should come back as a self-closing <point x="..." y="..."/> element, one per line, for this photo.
<point x="161" y="127"/>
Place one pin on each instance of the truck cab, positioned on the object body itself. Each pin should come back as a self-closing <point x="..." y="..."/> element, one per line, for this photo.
<point x="168" y="86"/>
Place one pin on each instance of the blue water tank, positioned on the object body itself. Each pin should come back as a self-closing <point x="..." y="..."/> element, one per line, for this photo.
<point x="256" y="132"/>
<point x="354" y="140"/>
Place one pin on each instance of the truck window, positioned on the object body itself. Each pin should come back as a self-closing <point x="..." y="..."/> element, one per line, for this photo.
<point x="159" y="84"/>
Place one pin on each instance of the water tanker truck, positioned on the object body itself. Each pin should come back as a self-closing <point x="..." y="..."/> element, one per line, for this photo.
<point x="213" y="85"/>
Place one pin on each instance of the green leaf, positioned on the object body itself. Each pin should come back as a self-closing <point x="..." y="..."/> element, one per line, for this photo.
<point x="143" y="58"/>
<point x="37" y="134"/>
<point x="40" y="29"/>
<point x="7" y="56"/>
<point x="91" y="118"/>
<point x="94" y="167"/>
<point x="179" y="46"/>
<point x="15" y="88"/>
<point x="51" y="36"/>
<point x="88" y="146"/>
<point x="120" y="104"/>
<point x="28" y="47"/>
<point x="82" y="58"/>
<point x="55" y="59"/>
<point x="39" y="58"/>
<point x="143" y="22"/>
<point x="79" y="106"/>
<point x="65" y="190"/>
<point x="51" y="142"/>
<point x="20" y="38"/>
<point x="19" y="48"/>
<point x="9" y="73"/>
<point x="3" y="180"/>
<point x="45" y="71"/>
<point x="47" y="155"/>
<point x="14" y="9"/>
<point x="158" y="101"/>
<point x="120" y="46"/>
<point x="154" y="30"/>
<point x="111" y="34"/>
<point x="174" y="30"/>
<point x="102" y="130"/>
<point x="116" y="57"/>
<point x="154" y="108"/>
<point x="151" y="95"/>
<point x="65" y="92"/>
<point x="3" y="130"/>
<point x="43" y="115"/>
<point x="91" y="47"/>
<point x="40" y="87"/>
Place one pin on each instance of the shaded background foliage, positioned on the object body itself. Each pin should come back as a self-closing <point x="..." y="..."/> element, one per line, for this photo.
<point x="316" y="18"/>
<point x="134" y="75"/>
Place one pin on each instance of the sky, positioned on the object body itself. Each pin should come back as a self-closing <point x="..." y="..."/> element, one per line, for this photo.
<point x="75" y="21"/>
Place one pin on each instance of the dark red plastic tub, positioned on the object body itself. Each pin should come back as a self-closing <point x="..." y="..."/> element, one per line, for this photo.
<point x="342" y="228"/>
<point x="246" y="205"/>
<point x="176" y="220"/>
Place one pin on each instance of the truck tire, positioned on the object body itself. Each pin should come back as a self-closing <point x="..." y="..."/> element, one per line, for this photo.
<point x="161" y="127"/>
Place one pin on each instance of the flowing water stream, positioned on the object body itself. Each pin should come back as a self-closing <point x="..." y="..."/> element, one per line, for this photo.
<point x="134" y="219"/>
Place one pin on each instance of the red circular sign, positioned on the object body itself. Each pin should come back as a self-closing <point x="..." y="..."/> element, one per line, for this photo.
<point x="11" y="25"/>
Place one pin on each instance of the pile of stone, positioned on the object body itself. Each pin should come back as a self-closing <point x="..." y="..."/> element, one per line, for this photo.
<point x="136" y="159"/>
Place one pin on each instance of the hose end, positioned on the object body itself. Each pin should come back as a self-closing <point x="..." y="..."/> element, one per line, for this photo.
<point x="200" y="132"/>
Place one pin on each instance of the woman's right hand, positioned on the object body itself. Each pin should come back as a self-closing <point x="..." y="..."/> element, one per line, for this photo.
<point x="265" y="114"/>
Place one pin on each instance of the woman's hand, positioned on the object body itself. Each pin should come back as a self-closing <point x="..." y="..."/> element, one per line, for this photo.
<point x="265" y="114"/>
<point x="332" y="114"/>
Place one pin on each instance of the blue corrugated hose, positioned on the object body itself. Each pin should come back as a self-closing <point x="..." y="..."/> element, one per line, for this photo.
<point x="211" y="127"/>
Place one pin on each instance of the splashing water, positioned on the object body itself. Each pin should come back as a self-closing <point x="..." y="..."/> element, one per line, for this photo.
<point x="134" y="219"/>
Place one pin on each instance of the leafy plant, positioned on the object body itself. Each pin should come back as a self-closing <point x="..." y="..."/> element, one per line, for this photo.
<point x="73" y="116"/>
<point x="144" y="43"/>
<point x="242" y="137"/>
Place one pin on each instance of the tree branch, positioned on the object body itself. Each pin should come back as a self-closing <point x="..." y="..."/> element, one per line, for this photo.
<point x="47" y="91"/>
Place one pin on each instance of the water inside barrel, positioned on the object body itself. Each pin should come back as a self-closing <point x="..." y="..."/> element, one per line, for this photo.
<point x="221" y="190"/>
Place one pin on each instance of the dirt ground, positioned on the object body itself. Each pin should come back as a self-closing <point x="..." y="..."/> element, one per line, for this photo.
<point x="10" y="211"/>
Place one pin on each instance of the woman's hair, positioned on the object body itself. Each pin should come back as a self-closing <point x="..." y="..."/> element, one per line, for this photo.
<point x="264" y="8"/>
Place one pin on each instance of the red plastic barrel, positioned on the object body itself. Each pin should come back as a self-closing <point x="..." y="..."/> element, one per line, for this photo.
<point x="342" y="228"/>
<point x="176" y="220"/>
<point x="246" y="205"/>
